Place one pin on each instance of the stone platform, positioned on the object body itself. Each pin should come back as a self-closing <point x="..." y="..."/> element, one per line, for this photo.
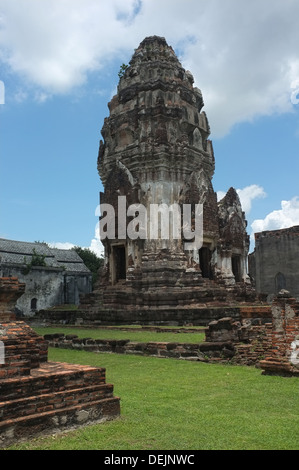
<point x="197" y="304"/>
<point x="37" y="396"/>
<point x="53" y="397"/>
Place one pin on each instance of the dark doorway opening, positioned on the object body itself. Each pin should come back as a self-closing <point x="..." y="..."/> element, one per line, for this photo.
<point x="236" y="267"/>
<point x="33" y="304"/>
<point x="120" y="264"/>
<point x="205" y="256"/>
<point x="280" y="282"/>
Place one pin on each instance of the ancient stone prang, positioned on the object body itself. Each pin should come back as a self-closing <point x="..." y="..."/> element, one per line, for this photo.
<point x="156" y="151"/>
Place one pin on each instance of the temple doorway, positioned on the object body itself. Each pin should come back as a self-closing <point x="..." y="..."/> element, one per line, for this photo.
<point x="119" y="263"/>
<point x="205" y="256"/>
<point x="236" y="267"/>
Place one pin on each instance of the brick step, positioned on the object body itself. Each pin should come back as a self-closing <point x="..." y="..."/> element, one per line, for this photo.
<point x="25" y="427"/>
<point x="51" y="377"/>
<point x="12" y="409"/>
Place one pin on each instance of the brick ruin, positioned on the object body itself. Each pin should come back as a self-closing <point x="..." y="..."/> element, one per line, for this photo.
<point x="282" y="358"/>
<point x="156" y="150"/>
<point x="274" y="264"/>
<point x="266" y="337"/>
<point x="38" y="396"/>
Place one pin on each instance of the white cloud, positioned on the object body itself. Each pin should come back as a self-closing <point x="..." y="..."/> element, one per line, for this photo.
<point x="20" y="96"/>
<point x="243" y="55"/>
<point x="247" y="195"/>
<point x="55" y="43"/>
<point x="95" y="246"/>
<point x="220" y="195"/>
<point x="62" y="245"/>
<point x="286" y="217"/>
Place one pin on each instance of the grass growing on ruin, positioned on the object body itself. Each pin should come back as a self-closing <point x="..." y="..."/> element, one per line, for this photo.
<point x="169" y="404"/>
<point x="139" y="334"/>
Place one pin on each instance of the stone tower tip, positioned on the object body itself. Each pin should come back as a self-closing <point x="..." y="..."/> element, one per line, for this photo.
<point x="151" y="39"/>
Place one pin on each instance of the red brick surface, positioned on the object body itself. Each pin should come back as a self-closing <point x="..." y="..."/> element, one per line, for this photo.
<point x="38" y="396"/>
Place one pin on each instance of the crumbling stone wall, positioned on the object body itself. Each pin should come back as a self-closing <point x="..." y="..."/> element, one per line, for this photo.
<point x="283" y="336"/>
<point x="227" y="340"/>
<point x="204" y="352"/>
<point x="248" y="338"/>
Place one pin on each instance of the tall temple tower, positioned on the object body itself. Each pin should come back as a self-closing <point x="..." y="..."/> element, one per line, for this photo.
<point x="156" y="153"/>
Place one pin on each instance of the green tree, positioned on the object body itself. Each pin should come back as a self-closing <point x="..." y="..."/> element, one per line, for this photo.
<point x="91" y="261"/>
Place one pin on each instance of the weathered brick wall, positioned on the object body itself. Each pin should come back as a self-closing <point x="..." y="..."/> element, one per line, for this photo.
<point x="283" y="336"/>
<point x="224" y="349"/>
<point x="251" y="341"/>
<point x="256" y="349"/>
<point x="23" y="348"/>
<point x="10" y="290"/>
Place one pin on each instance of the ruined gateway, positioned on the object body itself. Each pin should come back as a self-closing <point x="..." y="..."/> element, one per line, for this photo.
<point x="156" y="150"/>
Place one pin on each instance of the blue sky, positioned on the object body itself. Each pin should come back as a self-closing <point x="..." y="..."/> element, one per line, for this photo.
<point x="59" y="65"/>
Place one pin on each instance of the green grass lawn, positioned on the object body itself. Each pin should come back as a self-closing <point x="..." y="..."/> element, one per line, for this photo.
<point x="139" y="334"/>
<point x="168" y="404"/>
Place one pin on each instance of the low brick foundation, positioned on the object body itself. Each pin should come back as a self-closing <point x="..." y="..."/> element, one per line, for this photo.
<point x="37" y="396"/>
<point x="197" y="315"/>
<point x="223" y="349"/>
<point x="157" y="349"/>
<point x="54" y="397"/>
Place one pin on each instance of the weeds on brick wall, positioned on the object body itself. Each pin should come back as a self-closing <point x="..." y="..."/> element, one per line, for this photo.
<point x="36" y="260"/>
